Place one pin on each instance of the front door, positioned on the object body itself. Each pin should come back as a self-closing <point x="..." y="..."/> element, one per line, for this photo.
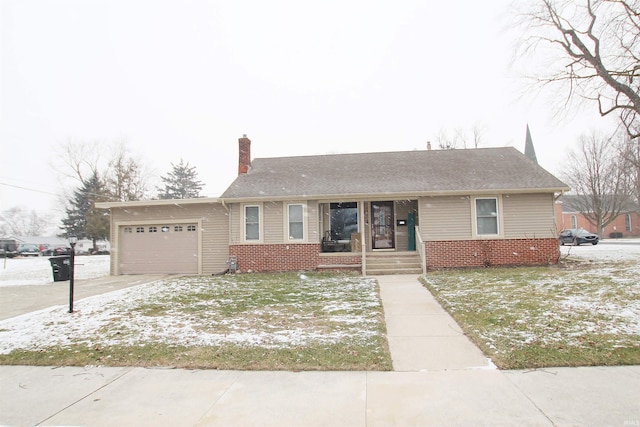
<point x="382" y="225"/>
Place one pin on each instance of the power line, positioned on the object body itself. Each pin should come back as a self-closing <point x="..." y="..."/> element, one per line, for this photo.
<point x="28" y="189"/>
<point x="110" y="198"/>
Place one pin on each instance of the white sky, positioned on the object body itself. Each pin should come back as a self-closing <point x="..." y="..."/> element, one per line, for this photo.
<point x="185" y="79"/>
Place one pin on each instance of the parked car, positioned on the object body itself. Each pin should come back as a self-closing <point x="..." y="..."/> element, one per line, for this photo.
<point x="8" y="248"/>
<point x="28" y="249"/>
<point x="578" y="236"/>
<point x="46" y="250"/>
<point x="61" y="250"/>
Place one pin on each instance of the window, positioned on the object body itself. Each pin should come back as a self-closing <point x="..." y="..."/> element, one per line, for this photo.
<point x="191" y="228"/>
<point x="153" y="229"/>
<point x="139" y="229"/>
<point x="252" y="223"/>
<point x="296" y="222"/>
<point x="165" y="229"/>
<point x="627" y="222"/>
<point x="486" y="216"/>
<point x="177" y="228"/>
<point x="344" y="220"/>
<point x="574" y="221"/>
<point x="128" y="230"/>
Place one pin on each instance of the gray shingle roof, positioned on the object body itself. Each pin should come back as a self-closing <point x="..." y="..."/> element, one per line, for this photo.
<point x="401" y="173"/>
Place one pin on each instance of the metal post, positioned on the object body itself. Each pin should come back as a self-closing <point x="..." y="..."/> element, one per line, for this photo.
<point x="71" y="265"/>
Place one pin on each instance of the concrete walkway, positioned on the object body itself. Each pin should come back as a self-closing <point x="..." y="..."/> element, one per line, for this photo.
<point x="422" y="335"/>
<point x="429" y="387"/>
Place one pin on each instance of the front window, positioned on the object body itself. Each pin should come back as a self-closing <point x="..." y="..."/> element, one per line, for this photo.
<point x="344" y="220"/>
<point x="251" y="223"/>
<point x="487" y="216"/>
<point x="296" y="222"/>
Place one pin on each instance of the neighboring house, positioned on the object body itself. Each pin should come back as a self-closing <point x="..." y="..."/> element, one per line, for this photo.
<point x="441" y="208"/>
<point x="568" y="215"/>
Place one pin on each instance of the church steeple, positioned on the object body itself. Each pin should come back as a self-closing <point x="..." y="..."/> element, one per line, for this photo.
<point x="529" y="150"/>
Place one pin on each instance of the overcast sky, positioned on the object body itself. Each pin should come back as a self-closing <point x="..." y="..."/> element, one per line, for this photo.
<point x="185" y="79"/>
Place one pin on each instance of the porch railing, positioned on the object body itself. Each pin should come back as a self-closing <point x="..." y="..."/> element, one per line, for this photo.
<point x="420" y="245"/>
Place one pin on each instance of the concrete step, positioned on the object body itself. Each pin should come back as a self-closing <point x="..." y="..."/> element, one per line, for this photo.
<point x="383" y="263"/>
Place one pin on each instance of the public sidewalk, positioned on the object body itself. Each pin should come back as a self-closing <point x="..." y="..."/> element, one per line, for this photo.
<point x="440" y="379"/>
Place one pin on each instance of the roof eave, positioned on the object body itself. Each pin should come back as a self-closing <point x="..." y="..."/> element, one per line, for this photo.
<point x="387" y="196"/>
<point x="163" y="202"/>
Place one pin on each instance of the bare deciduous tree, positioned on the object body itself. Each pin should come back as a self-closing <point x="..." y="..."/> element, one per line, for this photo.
<point x="461" y="137"/>
<point x="631" y="156"/>
<point x="595" y="174"/>
<point x="592" y="49"/>
<point x="126" y="177"/>
<point x="17" y="221"/>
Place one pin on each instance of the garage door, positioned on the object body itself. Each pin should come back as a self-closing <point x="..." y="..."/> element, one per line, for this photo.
<point x="170" y="248"/>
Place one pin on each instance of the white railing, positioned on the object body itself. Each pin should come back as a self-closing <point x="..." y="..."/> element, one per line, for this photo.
<point x="420" y="246"/>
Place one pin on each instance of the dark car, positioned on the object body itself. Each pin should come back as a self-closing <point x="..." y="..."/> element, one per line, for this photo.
<point x="61" y="250"/>
<point x="578" y="236"/>
<point x="46" y="250"/>
<point x="8" y="248"/>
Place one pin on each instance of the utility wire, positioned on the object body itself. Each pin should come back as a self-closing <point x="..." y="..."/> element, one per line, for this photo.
<point x="52" y="194"/>
<point x="28" y="189"/>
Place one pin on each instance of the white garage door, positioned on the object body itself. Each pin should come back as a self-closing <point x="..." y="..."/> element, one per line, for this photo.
<point x="170" y="248"/>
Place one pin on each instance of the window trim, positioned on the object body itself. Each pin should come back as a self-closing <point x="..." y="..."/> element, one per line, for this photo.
<point x="243" y="225"/>
<point x="287" y="222"/>
<point x="499" y="219"/>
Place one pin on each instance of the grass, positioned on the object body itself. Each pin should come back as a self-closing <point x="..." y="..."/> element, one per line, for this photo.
<point x="574" y="314"/>
<point x="252" y="321"/>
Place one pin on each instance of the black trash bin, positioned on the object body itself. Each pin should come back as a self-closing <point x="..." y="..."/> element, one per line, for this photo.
<point x="61" y="266"/>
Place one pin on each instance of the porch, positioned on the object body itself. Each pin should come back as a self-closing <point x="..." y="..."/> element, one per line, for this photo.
<point x="369" y="225"/>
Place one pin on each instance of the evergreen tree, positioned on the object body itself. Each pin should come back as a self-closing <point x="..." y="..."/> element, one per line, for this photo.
<point x="82" y="219"/>
<point x="181" y="183"/>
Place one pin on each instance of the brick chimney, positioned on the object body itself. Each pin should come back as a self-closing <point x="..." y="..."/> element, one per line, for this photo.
<point x="244" y="155"/>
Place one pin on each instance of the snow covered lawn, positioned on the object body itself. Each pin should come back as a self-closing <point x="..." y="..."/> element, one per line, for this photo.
<point x="37" y="271"/>
<point x="585" y="311"/>
<point x="248" y="321"/>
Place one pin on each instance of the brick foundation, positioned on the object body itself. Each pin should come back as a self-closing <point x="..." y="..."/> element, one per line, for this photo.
<point x="440" y="254"/>
<point x="288" y="257"/>
<point x="486" y="253"/>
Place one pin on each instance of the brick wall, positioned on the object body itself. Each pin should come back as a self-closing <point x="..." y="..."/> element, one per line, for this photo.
<point x="480" y="253"/>
<point x="286" y="257"/>
<point x="440" y="254"/>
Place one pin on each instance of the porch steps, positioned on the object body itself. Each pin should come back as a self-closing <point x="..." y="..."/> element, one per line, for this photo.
<point x="382" y="263"/>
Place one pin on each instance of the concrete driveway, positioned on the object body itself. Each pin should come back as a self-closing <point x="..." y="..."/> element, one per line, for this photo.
<point x="17" y="300"/>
